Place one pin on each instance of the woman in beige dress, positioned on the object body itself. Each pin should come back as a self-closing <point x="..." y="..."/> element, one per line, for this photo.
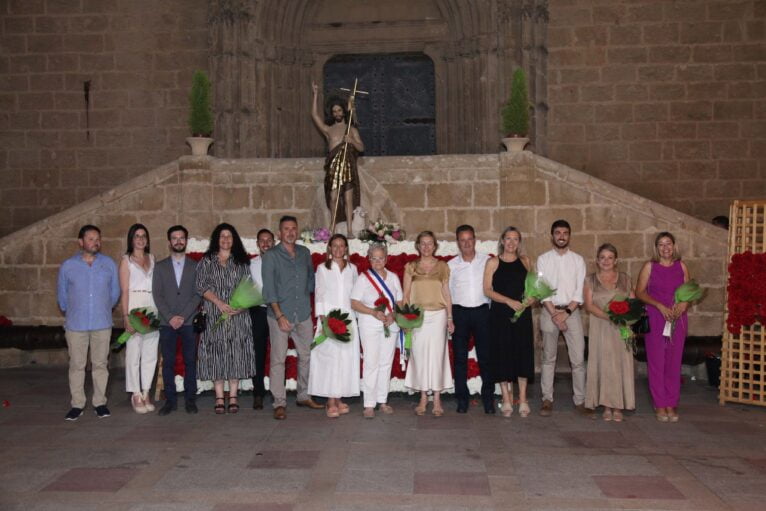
<point x="610" y="363"/>
<point x="426" y="284"/>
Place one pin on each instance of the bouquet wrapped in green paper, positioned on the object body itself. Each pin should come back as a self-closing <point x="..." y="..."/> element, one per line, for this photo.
<point x="624" y="312"/>
<point x="535" y="288"/>
<point x="336" y="325"/>
<point x="245" y="295"/>
<point x="687" y="292"/>
<point x="408" y="316"/>
<point x="143" y="320"/>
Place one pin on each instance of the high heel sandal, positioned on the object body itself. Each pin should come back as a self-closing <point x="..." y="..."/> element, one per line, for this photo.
<point x="343" y="408"/>
<point x="421" y="408"/>
<point x="524" y="409"/>
<point x="219" y="408"/>
<point x="607" y="415"/>
<point x="148" y="404"/>
<point x="507" y="409"/>
<point x="137" y="401"/>
<point x="617" y="416"/>
<point x="233" y="407"/>
<point x="332" y="412"/>
<point x="437" y="411"/>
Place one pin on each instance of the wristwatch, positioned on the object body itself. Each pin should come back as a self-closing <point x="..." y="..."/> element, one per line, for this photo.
<point x="568" y="311"/>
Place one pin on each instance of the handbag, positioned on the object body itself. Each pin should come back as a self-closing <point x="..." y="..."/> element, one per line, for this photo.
<point x="641" y="326"/>
<point x="199" y="322"/>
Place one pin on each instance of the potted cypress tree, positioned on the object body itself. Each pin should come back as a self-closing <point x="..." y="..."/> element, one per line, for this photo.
<point x="515" y="114"/>
<point x="200" y="115"/>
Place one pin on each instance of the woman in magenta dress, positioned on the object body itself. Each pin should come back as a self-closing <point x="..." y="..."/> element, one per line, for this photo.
<point x="657" y="283"/>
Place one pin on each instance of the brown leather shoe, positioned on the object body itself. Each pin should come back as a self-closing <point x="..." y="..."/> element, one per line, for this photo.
<point x="310" y="404"/>
<point x="547" y="409"/>
<point x="582" y="410"/>
<point x="279" y="413"/>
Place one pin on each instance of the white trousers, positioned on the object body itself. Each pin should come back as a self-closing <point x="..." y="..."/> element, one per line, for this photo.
<point x="378" y="357"/>
<point x="141" y="361"/>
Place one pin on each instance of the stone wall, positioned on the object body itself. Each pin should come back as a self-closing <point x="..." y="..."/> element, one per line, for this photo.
<point x="661" y="97"/>
<point x="664" y="98"/>
<point x="138" y="55"/>
<point x="441" y="192"/>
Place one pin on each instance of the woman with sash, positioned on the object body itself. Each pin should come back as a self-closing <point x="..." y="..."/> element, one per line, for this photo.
<point x="374" y="297"/>
<point x="334" y="366"/>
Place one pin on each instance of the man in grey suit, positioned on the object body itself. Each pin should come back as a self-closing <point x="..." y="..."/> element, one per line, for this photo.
<point x="175" y="295"/>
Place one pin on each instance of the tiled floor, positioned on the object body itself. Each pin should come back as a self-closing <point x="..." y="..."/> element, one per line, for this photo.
<point x="714" y="458"/>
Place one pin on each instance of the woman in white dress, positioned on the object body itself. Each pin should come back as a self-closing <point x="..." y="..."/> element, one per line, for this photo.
<point x="378" y="349"/>
<point x="426" y="284"/>
<point x="334" y="366"/>
<point x="136" y="269"/>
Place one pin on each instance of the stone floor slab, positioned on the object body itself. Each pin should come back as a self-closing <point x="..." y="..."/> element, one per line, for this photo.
<point x="637" y="487"/>
<point x="451" y="483"/>
<point x="92" y="479"/>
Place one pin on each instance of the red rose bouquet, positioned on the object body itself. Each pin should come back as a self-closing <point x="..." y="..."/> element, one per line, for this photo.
<point x="624" y="312"/>
<point x="746" y="291"/>
<point x="408" y="316"/>
<point x="336" y="325"/>
<point x="143" y="320"/>
<point x="381" y="305"/>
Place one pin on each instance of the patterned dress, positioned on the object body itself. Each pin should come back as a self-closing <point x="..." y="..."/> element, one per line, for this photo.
<point x="226" y="351"/>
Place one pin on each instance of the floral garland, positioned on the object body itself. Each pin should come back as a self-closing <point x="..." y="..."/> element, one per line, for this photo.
<point x="746" y="291"/>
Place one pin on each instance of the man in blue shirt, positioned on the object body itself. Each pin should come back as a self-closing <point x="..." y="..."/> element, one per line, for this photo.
<point x="88" y="289"/>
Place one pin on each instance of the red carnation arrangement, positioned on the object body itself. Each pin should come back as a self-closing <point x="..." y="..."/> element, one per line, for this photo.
<point x="381" y="305"/>
<point x="746" y="291"/>
<point x="143" y="320"/>
<point x="336" y="325"/>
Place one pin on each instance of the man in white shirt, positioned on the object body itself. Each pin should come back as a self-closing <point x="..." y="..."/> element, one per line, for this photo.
<point x="564" y="270"/>
<point x="265" y="240"/>
<point x="470" y="312"/>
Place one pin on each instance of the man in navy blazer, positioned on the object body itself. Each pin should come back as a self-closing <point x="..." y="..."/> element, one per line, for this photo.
<point x="175" y="295"/>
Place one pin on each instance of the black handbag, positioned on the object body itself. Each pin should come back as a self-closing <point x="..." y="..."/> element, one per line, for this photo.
<point x="199" y="322"/>
<point x="641" y="326"/>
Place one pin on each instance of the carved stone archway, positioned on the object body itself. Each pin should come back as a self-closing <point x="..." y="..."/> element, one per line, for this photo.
<point x="265" y="54"/>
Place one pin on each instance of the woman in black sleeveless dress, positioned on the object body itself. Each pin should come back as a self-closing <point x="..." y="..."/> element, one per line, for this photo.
<point x="511" y="346"/>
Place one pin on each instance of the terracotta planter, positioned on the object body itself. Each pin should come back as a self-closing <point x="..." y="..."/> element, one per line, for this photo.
<point x="199" y="145"/>
<point x="515" y="144"/>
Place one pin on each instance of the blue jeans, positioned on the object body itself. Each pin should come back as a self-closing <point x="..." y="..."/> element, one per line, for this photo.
<point x="168" y="338"/>
<point x="467" y="321"/>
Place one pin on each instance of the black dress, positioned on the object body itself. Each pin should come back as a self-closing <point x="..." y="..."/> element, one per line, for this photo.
<point x="511" y="348"/>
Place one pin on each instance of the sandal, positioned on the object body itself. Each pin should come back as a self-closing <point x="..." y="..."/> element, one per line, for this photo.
<point x="607" y="416"/>
<point x="369" y="413"/>
<point x="437" y="412"/>
<point x="219" y="408"/>
<point x="332" y="412"/>
<point x="343" y="408"/>
<point x="507" y="409"/>
<point x="233" y="407"/>
<point x="421" y="408"/>
<point x="524" y="409"/>
<point x="386" y="409"/>
<point x="617" y="416"/>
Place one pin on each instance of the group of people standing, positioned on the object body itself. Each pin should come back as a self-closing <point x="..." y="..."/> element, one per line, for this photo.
<point x="472" y="295"/>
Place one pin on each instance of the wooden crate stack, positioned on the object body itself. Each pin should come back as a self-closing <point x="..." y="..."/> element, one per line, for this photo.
<point x="743" y="358"/>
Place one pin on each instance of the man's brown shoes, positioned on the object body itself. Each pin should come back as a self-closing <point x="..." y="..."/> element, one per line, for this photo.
<point x="547" y="409"/>
<point x="310" y="404"/>
<point x="279" y="413"/>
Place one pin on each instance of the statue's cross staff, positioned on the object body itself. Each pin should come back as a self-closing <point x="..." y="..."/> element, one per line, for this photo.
<point x="336" y="178"/>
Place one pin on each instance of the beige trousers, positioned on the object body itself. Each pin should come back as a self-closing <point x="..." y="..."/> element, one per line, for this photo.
<point x="78" y="344"/>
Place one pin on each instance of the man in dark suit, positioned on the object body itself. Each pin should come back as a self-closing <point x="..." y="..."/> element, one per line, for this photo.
<point x="175" y="295"/>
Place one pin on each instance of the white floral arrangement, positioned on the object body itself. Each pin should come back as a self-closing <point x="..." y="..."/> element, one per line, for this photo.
<point x="388" y="232"/>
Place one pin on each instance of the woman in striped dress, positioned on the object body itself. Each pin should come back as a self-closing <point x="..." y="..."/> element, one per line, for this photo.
<point x="225" y="352"/>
